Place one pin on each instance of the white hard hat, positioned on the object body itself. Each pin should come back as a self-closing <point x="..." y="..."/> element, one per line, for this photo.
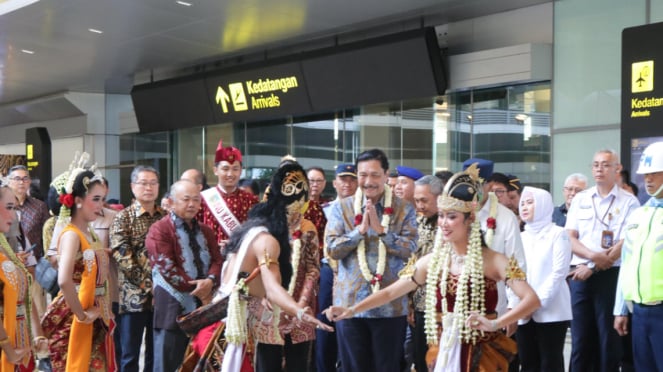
<point x="651" y="160"/>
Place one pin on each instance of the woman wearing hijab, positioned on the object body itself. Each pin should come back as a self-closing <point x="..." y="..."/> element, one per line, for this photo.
<point x="547" y="254"/>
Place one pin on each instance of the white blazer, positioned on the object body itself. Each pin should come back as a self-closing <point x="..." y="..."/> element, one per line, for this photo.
<point x="548" y="255"/>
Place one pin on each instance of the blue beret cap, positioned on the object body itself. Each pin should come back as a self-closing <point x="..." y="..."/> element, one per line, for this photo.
<point x="413" y="173"/>
<point x="485" y="167"/>
<point x="346" y="170"/>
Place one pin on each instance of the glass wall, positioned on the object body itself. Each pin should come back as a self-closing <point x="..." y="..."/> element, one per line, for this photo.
<point x="153" y="149"/>
<point x="508" y="124"/>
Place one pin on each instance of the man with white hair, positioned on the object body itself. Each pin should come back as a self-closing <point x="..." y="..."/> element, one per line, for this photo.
<point x="573" y="184"/>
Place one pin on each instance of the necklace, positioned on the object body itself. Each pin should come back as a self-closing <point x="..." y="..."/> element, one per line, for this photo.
<point x="373" y="279"/>
<point x="457" y="259"/>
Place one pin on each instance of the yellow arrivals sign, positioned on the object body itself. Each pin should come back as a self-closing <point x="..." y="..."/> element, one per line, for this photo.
<point x="642" y="76"/>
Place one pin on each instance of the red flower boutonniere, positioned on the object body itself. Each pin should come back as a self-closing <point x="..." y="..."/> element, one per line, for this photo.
<point x="297" y="234"/>
<point x="358" y="219"/>
<point x="377" y="278"/>
<point x="67" y="200"/>
<point x="389" y="211"/>
<point x="491" y="223"/>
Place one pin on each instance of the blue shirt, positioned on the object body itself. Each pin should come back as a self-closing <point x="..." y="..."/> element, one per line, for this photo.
<point x="559" y="215"/>
<point x="343" y="238"/>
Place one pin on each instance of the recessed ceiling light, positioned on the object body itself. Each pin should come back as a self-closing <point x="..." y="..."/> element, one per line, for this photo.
<point x="183" y="3"/>
<point x="94" y="30"/>
<point x="27" y="51"/>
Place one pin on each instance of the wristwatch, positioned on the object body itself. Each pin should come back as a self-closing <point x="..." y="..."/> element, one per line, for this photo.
<point x="592" y="266"/>
<point x="213" y="277"/>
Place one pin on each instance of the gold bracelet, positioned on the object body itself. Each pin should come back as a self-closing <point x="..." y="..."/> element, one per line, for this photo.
<point x="4" y="341"/>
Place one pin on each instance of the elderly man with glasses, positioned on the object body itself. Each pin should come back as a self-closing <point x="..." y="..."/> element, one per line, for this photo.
<point x="127" y="239"/>
<point x="573" y="184"/>
<point x="32" y="214"/>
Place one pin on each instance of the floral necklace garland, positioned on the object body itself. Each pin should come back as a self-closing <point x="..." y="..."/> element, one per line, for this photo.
<point x="236" y="322"/>
<point x="373" y="279"/>
<point x="296" y="255"/>
<point x="471" y="279"/>
<point x="491" y="222"/>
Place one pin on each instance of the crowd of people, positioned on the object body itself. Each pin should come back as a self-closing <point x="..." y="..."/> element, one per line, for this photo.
<point x="465" y="271"/>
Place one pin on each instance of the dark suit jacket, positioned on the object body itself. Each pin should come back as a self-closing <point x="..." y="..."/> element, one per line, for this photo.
<point x="165" y="255"/>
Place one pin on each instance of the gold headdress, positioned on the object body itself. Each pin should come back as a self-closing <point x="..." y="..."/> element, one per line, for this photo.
<point x="289" y="183"/>
<point x="467" y="182"/>
<point x="64" y="183"/>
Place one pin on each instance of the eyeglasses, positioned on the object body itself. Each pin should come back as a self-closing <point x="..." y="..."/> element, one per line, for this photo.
<point x="145" y="184"/>
<point x="315" y="181"/>
<point x="499" y="191"/>
<point x="602" y="165"/>
<point x="25" y="179"/>
<point x="575" y="190"/>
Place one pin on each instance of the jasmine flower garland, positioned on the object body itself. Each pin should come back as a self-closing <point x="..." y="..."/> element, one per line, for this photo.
<point x="439" y="259"/>
<point x="294" y="261"/>
<point x="373" y="279"/>
<point x="236" y="321"/>
<point x="471" y="279"/>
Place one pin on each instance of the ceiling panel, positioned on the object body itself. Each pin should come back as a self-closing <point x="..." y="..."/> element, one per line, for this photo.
<point x="141" y="35"/>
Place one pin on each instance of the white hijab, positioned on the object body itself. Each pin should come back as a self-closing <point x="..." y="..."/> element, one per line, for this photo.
<point x="543" y="208"/>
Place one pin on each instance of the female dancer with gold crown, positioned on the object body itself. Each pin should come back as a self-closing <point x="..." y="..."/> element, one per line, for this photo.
<point x="78" y="320"/>
<point x="460" y="277"/>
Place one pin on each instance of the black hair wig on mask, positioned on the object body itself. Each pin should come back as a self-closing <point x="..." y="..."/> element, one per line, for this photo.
<point x="289" y="184"/>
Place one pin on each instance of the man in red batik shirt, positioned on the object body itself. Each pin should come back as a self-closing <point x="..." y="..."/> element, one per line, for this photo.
<point x="225" y="206"/>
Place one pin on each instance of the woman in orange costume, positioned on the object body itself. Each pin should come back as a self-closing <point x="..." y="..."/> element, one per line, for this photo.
<point x="16" y="308"/>
<point x="80" y="315"/>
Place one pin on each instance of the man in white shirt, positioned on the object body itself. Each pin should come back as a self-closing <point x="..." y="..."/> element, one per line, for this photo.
<point x="501" y="232"/>
<point x="595" y="223"/>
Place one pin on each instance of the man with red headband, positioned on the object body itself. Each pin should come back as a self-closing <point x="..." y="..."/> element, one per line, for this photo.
<point x="226" y="206"/>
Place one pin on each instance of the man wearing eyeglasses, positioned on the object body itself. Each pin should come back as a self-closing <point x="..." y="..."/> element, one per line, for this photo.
<point x="127" y="241"/>
<point x="596" y="226"/>
<point x="314" y="213"/>
<point x="573" y="184"/>
<point x="32" y="212"/>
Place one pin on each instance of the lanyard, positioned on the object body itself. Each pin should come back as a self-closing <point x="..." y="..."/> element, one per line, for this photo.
<point x="607" y="212"/>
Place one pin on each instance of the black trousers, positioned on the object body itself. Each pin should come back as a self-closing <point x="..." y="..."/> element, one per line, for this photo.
<point x="596" y="344"/>
<point x="541" y="346"/>
<point x="371" y="344"/>
<point x="269" y="358"/>
<point x="419" y="340"/>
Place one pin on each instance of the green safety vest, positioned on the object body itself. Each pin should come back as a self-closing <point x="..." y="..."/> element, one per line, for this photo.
<point x="642" y="265"/>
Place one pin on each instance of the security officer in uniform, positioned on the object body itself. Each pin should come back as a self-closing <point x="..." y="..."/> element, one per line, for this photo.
<point x="641" y="276"/>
